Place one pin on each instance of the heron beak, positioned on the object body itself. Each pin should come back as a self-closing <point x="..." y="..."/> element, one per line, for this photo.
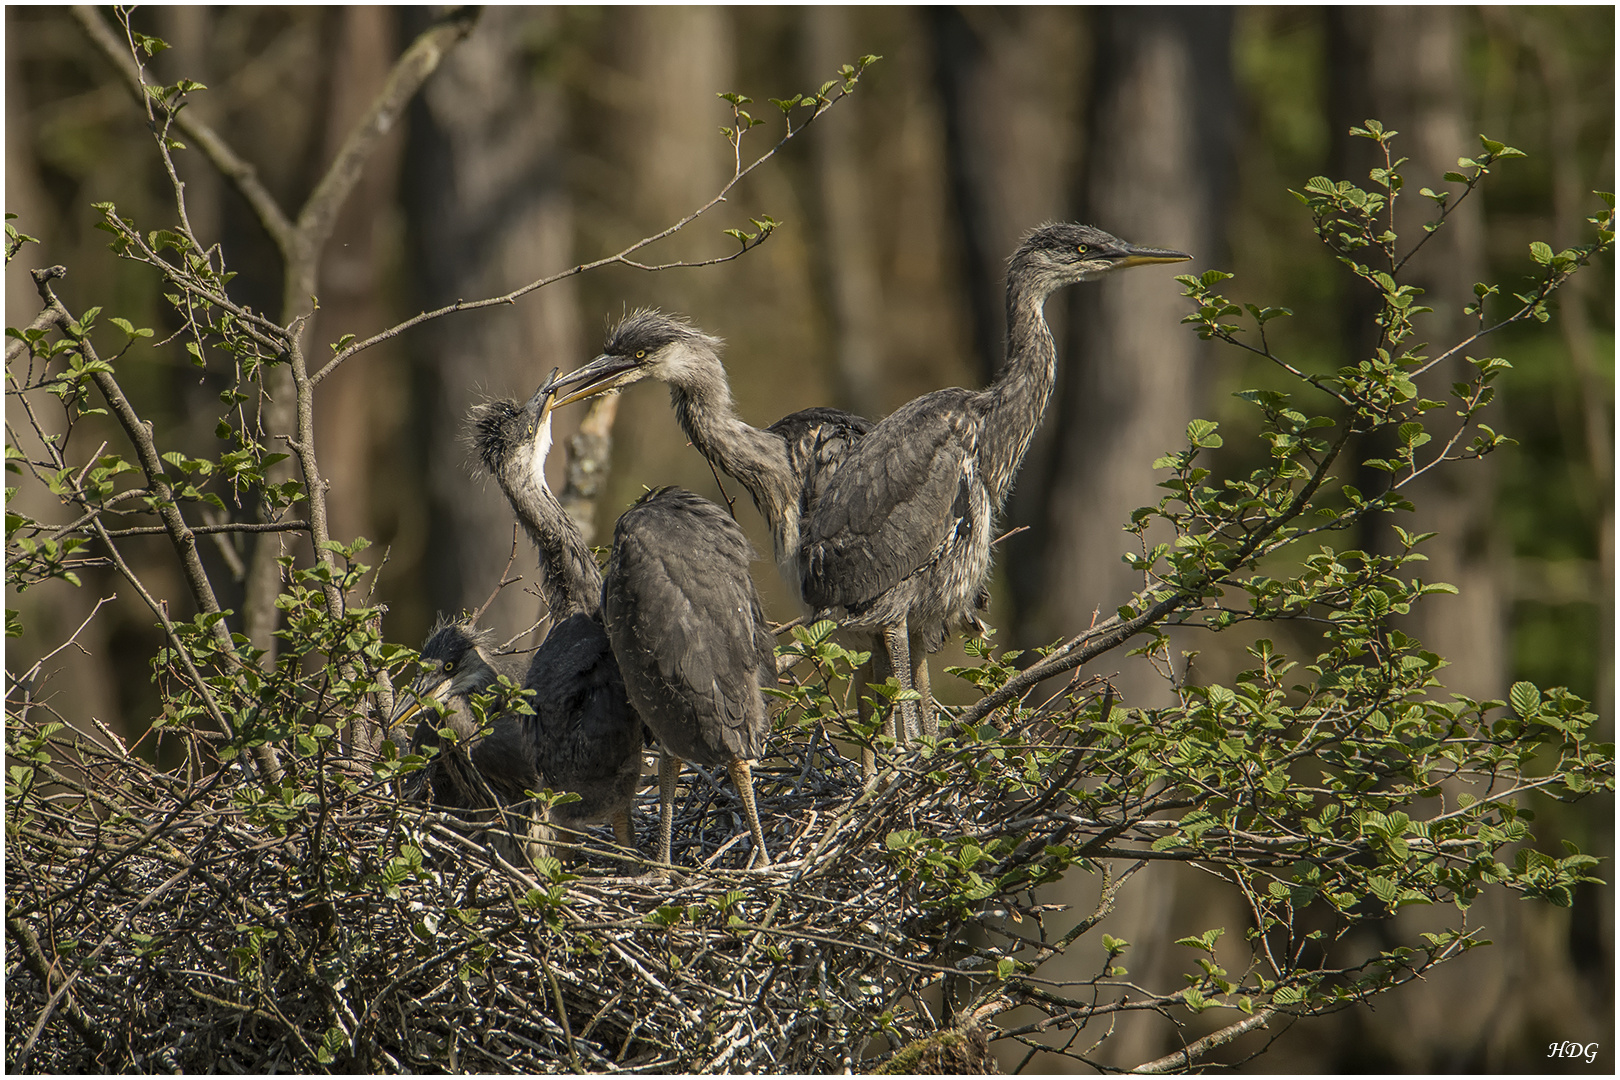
<point x="1144" y="256"/>
<point x="602" y="375"/>
<point x="544" y="399"/>
<point x="421" y="695"/>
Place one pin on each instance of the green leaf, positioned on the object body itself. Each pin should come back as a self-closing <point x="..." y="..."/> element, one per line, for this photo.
<point x="1205" y="941"/>
<point x="1526" y="699"/>
<point x="1201" y="433"/>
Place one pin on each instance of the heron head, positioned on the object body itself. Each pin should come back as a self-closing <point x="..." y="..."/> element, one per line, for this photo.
<point x="644" y="344"/>
<point x="453" y="664"/>
<point x="1060" y="254"/>
<point x="502" y="430"/>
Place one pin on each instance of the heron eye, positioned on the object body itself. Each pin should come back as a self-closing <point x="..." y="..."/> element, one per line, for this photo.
<point x="449" y="665"/>
<point x="1081" y="248"/>
<point x="641" y="354"/>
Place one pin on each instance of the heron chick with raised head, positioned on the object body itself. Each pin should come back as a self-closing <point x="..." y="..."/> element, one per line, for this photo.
<point x="583" y="737"/>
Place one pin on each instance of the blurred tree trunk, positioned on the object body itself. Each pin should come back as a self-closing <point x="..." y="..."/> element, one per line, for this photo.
<point x="846" y="258"/>
<point x="1153" y="170"/>
<point x="1010" y="80"/>
<point x="668" y="159"/>
<point x="488" y="210"/>
<point x="363" y="395"/>
<point x="1402" y="66"/>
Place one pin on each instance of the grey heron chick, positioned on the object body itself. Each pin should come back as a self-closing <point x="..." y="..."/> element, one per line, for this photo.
<point x="584" y="736"/>
<point x="692" y="641"/>
<point x="884" y="527"/>
<point x="479" y="768"/>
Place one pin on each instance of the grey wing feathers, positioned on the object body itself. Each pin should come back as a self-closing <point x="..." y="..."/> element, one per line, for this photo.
<point x="892" y="502"/>
<point x="687" y="627"/>
<point x="587" y="737"/>
<point x="820" y="442"/>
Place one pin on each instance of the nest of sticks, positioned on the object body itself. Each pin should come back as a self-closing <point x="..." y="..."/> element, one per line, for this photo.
<point x="182" y="919"/>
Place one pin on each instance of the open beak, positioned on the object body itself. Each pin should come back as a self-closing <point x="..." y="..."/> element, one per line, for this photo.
<point x="1144" y="256"/>
<point x="545" y="398"/>
<point x="600" y="376"/>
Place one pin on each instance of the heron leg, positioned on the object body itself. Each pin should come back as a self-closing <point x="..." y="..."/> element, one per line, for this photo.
<point x="542" y="838"/>
<point x="623" y="831"/>
<point x="882" y="670"/>
<point x="919" y="681"/>
<point x="898" y="642"/>
<point x="669" y="770"/>
<point x="864" y="677"/>
<point x="743" y="777"/>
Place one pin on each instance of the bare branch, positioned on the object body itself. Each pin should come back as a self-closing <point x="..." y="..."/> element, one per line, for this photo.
<point x="238" y="171"/>
<point x="740" y="172"/>
<point x="209" y="530"/>
<point x="410" y="71"/>
<point x="1183" y="1058"/>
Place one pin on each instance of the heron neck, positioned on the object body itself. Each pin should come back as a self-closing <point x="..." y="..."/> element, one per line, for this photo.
<point x="1021" y="391"/>
<point x="572" y="581"/>
<point x="755" y="459"/>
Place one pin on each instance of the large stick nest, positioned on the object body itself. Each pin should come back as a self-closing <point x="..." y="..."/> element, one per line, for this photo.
<point x="182" y="920"/>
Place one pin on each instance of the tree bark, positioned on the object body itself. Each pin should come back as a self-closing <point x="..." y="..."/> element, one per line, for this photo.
<point x="359" y="398"/>
<point x="846" y="258"/>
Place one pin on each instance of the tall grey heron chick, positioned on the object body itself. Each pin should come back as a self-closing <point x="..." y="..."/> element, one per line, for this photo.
<point x="688" y="629"/>
<point x="884" y="527"/>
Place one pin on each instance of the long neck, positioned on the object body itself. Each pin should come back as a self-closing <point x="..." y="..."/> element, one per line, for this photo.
<point x="755" y="459"/>
<point x="1017" y="400"/>
<point x="572" y="582"/>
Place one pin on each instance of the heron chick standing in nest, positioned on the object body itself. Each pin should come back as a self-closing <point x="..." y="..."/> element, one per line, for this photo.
<point x="692" y="640"/>
<point x="884" y="527"/>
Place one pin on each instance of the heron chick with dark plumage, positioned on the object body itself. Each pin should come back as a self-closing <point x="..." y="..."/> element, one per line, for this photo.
<point x="478" y="766"/>
<point x="692" y="641"/>
<point x="586" y="735"/>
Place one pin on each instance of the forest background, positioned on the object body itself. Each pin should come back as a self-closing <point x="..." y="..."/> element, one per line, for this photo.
<point x="553" y="136"/>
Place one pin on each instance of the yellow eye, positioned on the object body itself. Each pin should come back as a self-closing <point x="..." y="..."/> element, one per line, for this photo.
<point x="641" y="354"/>
<point x="1081" y="249"/>
<point x="449" y="665"/>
